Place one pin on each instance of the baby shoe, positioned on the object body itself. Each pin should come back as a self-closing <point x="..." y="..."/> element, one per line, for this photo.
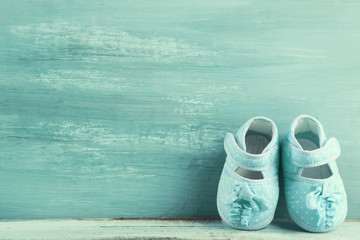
<point x="249" y="188"/>
<point x="314" y="191"/>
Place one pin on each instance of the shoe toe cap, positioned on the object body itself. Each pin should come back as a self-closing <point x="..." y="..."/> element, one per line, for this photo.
<point x="322" y="219"/>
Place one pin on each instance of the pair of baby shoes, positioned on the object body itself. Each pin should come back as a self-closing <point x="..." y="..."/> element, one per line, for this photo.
<point x="248" y="190"/>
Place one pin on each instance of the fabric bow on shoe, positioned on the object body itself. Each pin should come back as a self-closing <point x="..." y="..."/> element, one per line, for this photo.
<point x="244" y="201"/>
<point x="324" y="199"/>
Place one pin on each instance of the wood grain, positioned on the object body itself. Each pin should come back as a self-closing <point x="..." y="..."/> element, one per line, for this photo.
<point x="157" y="229"/>
<point x="119" y="108"/>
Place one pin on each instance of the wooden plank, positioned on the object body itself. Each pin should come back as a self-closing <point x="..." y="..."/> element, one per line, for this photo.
<point x="157" y="229"/>
<point x="119" y="108"/>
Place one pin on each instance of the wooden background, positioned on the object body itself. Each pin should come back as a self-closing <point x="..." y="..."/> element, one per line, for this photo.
<point x="119" y="108"/>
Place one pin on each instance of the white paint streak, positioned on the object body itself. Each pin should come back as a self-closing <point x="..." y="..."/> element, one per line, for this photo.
<point x="98" y="40"/>
<point x="64" y="41"/>
<point x="84" y="80"/>
<point x="90" y="131"/>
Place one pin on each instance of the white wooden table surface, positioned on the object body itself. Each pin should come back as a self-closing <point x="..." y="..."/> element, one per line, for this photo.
<point x="162" y="229"/>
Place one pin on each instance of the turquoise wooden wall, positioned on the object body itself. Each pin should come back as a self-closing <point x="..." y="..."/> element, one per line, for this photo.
<point x="119" y="108"/>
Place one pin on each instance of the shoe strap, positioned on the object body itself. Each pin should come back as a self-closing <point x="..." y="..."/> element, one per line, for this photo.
<point x="302" y="158"/>
<point x="256" y="162"/>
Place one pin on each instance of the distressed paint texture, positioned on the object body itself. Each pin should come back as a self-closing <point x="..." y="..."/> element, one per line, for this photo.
<point x="156" y="229"/>
<point x="119" y="108"/>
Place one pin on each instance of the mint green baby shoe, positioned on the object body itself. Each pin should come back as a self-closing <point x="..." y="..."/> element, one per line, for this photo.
<point x="314" y="191"/>
<point x="249" y="189"/>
